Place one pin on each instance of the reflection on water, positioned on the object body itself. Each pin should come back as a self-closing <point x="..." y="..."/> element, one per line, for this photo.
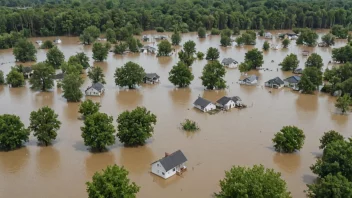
<point x="98" y="161"/>
<point x="287" y="162"/>
<point x="129" y="97"/>
<point x="43" y="99"/>
<point x="137" y="160"/>
<point x="48" y="160"/>
<point x="180" y="96"/>
<point x="14" y="161"/>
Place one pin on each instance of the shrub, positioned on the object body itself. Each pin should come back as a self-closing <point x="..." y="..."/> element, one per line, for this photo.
<point x="189" y="125"/>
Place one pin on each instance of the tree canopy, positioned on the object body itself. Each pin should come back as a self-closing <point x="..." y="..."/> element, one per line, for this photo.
<point x="186" y="55"/>
<point x="89" y="35"/>
<point x="344" y="102"/>
<point x="96" y="75"/>
<point x="164" y="48"/>
<point x="112" y="182"/>
<point x="289" y="139"/>
<point x="131" y="75"/>
<point x="44" y="124"/>
<point x="307" y="37"/>
<point x="212" y="54"/>
<point x="254" y="58"/>
<point x="136" y="126"/>
<point x="71" y="87"/>
<point x="201" y="32"/>
<point x="328" y="39"/>
<point x="42" y="77"/>
<point x="80" y="58"/>
<point x="330" y="186"/>
<point x="88" y="107"/>
<point x="100" y="51"/>
<point x="15" y="78"/>
<point x="290" y="62"/>
<point x="286" y="42"/>
<point x="180" y="75"/>
<point x="314" y="60"/>
<point x="55" y="57"/>
<point x="24" y="51"/>
<point x="12" y="132"/>
<point x="266" y="46"/>
<point x="176" y="38"/>
<point x="310" y="80"/>
<point x="339" y="31"/>
<point x="256" y="181"/>
<point x="329" y="137"/>
<point x="213" y="76"/>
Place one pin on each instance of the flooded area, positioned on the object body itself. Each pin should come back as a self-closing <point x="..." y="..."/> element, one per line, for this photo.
<point x="237" y="137"/>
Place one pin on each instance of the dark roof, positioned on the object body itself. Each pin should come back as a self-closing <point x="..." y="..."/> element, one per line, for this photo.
<point x="201" y="102"/>
<point x="293" y="79"/>
<point x="173" y="160"/>
<point x="224" y="100"/>
<point x="152" y="75"/>
<point x="276" y="81"/>
<point x="228" y="61"/>
<point x="235" y="98"/>
<point x="250" y="78"/>
<point x="97" y="86"/>
<point x="59" y="76"/>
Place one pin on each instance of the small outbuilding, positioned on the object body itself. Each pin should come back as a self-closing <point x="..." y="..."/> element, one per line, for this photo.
<point x="170" y="165"/>
<point x="204" y="105"/>
<point x="251" y="80"/>
<point x="151" y="78"/>
<point x="229" y="102"/>
<point x="229" y="62"/>
<point x="97" y="89"/>
<point x="268" y="35"/>
<point x="292" y="82"/>
<point x="275" y="83"/>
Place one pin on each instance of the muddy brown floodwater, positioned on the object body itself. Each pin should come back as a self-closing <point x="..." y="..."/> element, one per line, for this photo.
<point x="238" y="137"/>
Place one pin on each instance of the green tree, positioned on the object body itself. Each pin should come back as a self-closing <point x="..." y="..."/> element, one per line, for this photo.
<point x="15" y="78"/>
<point x="226" y="32"/>
<point x="336" y="159"/>
<point x="42" y="77"/>
<point x="307" y="37"/>
<point x="314" y="60"/>
<point x="225" y="41"/>
<point x="310" y="80"/>
<point x="131" y="74"/>
<point x="24" y="51"/>
<point x="98" y="131"/>
<point x="344" y="102"/>
<point x="112" y="182"/>
<point x="132" y="44"/>
<point x="244" y="67"/>
<point x="190" y="48"/>
<point x="180" y="75"/>
<point x="189" y="125"/>
<point x="96" y="75"/>
<point x="254" y="58"/>
<point x="266" y="46"/>
<point x="44" y="124"/>
<point x="239" y="40"/>
<point x="286" y="43"/>
<point x="200" y="55"/>
<point x="88" y="108"/>
<point x="342" y="54"/>
<point x="213" y="76"/>
<point x="339" y="31"/>
<point x="71" y="87"/>
<point x="236" y="31"/>
<point x="290" y="62"/>
<point x="47" y="45"/>
<point x="175" y="38"/>
<point x="212" y="54"/>
<point x="215" y="31"/>
<point x="289" y="139"/>
<point x="256" y="181"/>
<point x="2" y="79"/>
<point x="164" y="48"/>
<point x="330" y="186"/>
<point x="136" y="126"/>
<point x="12" y="132"/>
<point x="329" y="39"/>
<point x="90" y="34"/>
<point x="120" y="48"/>
<point x="100" y="51"/>
<point x="110" y="35"/>
<point x="55" y="57"/>
<point x="329" y="137"/>
<point x="73" y="67"/>
<point x="261" y="32"/>
<point x="81" y="59"/>
<point x="202" y="32"/>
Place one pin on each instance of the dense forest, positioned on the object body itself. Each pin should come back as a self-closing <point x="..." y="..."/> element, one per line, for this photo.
<point x="71" y="17"/>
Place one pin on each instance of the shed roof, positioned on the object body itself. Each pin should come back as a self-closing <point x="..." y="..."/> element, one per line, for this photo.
<point x="171" y="161"/>
<point x="201" y="102"/>
<point x="228" y="61"/>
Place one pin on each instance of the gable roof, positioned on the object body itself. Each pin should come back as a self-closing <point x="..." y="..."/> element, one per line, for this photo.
<point x="151" y="75"/>
<point x="224" y="100"/>
<point x="97" y="86"/>
<point x="293" y="79"/>
<point x="235" y="98"/>
<point x="228" y="61"/>
<point x="251" y="78"/>
<point x="171" y="161"/>
<point x="276" y="81"/>
<point x="202" y="102"/>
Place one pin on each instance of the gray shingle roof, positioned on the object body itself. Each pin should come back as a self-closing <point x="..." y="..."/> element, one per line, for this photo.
<point x="224" y="100"/>
<point x="201" y="102"/>
<point x="228" y="61"/>
<point x="236" y="98"/>
<point x="173" y="160"/>
<point x="293" y="79"/>
<point x="250" y="78"/>
<point x="97" y="86"/>
<point x="151" y="75"/>
<point x="276" y="81"/>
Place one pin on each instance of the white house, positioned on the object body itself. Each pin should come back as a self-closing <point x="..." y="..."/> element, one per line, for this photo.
<point x="292" y="82"/>
<point x="268" y="35"/>
<point x="229" y="62"/>
<point x="229" y="102"/>
<point x="57" y="41"/>
<point x="151" y="78"/>
<point x="170" y="165"/>
<point x="275" y="83"/>
<point x="204" y="105"/>
<point x="97" y="89"/>
<point x="251" y="80"/>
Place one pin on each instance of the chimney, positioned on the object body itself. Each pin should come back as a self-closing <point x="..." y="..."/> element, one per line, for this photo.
<point x="166" y="154"/>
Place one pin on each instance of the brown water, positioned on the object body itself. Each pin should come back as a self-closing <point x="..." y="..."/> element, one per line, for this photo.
<point x="239" y="137"/>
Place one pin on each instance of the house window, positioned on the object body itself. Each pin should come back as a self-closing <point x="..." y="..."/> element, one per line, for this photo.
<point x="163" y="173"/>
<point x="174" y="169"/>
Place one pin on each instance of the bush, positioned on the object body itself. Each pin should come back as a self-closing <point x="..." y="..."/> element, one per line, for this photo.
<point x="215" y="31"/>
<point x="289" y="139"/>
<point x="189" y="125"/>
<point x="160" y="29"/>
<point x="327" y="88"/>
<point x="200" y="55"/>
<point x="47" y="45"/>
<point x="329" y="137"/>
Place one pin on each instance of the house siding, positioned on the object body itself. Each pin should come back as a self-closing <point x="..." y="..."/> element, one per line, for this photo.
<point x="93" y="92"/>
<point x="158" y="169"/>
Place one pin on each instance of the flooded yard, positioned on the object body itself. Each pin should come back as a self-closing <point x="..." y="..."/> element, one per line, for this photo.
<point x="237" y="137"/>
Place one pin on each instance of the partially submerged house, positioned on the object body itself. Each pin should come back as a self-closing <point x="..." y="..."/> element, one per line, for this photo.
<point x="204" y="105"/>
<point x="322" y="44"/>
<point x="229" y="62"/>
<point x="251" y="80"/>
<point x="97" y="89"/>
<point x="57" y="41"/>
<point x="298" y="71"/>
<point x="150" y="49"/>
<point x="292" y="82"/>
<point x="275" y="47"/>
<point x="268" y="35"/>
<point x="145" y="38"/>
<point x="27" y="72"/>
<point x="151" y="78"/>
<point x="275" y="83"/>
<point x="305" y="53"/>
<point x="160" y="37"/>
<point x="170" y="165"/>
<point x="229" y="102"/>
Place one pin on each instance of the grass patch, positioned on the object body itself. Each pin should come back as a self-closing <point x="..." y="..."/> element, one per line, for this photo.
<point x="189" y="125"/>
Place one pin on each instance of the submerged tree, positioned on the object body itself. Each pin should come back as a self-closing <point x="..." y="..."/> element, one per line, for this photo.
<point x="180" y="75"/>
<point x="286" y="42"/>
<point x="201" y="32"/>
<point x="254" y="58"/>
<point x="189" y="125"/>
<point x="212" y="54"/>
<point x="112" y="182"/>
<point x="314" y="60"/>
<point x="256" y="181"/>
<point x="24" y="51"/>
<point x="290" y="62"/>
<point x="88" y="107"/>
<point x="47" y="45"/>
<point x="71" y="87"/>
<point x="2" y="79"/>
<point x="213" y="76"/>
<point x="120" y="48"/>
<point x="136" y="126"/>
<point x="55" y="57"/>
<point x="42" y="77"/>
<point x="339" y="31"/>
<point x="289" y="139"/>
<point x="15" y="78"/>
<point x="344" y="102"/>
<point x="12" y="132"/>
<point x="310" y="80"/>
<point x="80" y="58"/>
<point x="69" y="68"/>
<point x="98" y="131"/>
<point x="100" y="51"/>
<point x="44" y="124"/>
<point x="176" y="38"/>
<point x="90" y="34"/>
<point x="96" y="75"/>
<point x="308" y="37"/>
<point x="329" y="137"/>
<point x="110" y="35"/>
<point x="328" y="39"/>
<point x="131" y="75"/>
<point x="164" y="48"/>
<point x="266" y="46"/>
